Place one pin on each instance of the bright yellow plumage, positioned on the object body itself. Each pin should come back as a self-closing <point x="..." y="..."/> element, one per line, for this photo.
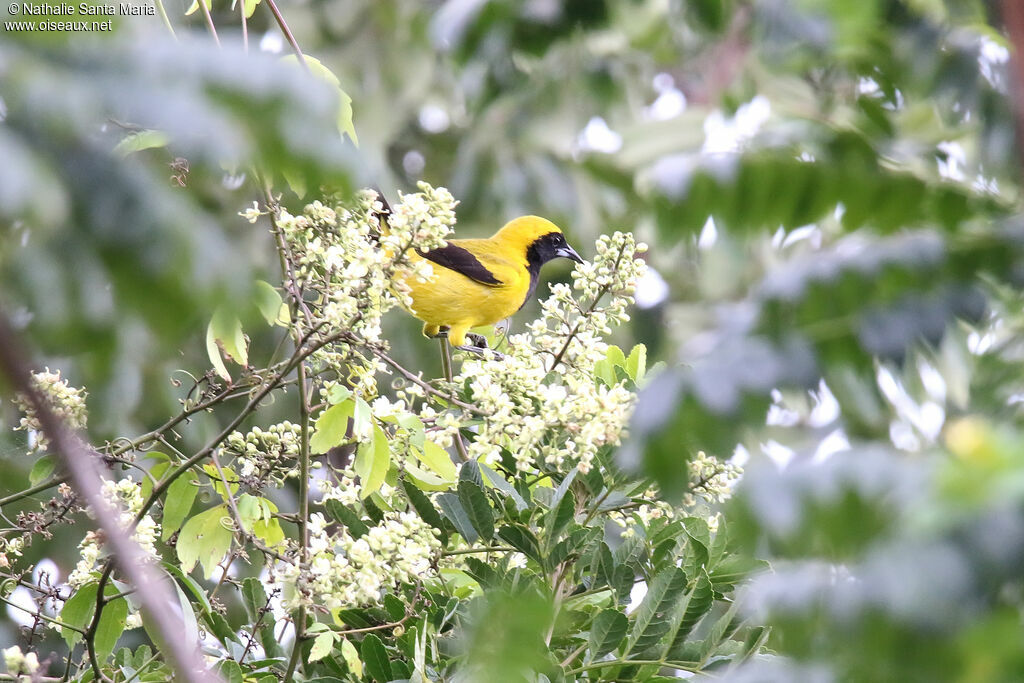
<point x="482" y="281"/>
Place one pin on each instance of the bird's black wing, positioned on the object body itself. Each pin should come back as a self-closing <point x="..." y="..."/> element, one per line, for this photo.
<point x="462" y="261"/>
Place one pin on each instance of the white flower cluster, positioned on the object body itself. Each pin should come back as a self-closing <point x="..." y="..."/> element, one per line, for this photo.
<point x="346" y="491"/>
<point x="126" y="497"/>
<point x="652" y="507"/>
<point x="67" y="403"/>
<point x="272" y="452"/>
<point x="541" y="400"/>
<point x="344" y="571"/>
<point x="10" y="547"/>
<point x="20" y="665"/>
<point x="424" y="218"/>
<point x="711" y="480"/>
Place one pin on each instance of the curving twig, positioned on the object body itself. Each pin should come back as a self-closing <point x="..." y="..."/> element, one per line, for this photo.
<point x="1013" y="18"/>
<point x="82" y="463"/>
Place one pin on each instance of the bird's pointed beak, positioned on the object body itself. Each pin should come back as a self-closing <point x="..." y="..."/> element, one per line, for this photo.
<point x="569" y="253"/>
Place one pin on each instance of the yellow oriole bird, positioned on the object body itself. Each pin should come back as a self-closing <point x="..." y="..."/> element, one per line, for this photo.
<point x="481" y="281"/>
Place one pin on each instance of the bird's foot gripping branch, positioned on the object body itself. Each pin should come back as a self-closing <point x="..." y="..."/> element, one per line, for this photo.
<point x="395" y="555"/>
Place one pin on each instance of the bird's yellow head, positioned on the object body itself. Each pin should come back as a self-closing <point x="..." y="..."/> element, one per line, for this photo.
<point x="537" y="239"/>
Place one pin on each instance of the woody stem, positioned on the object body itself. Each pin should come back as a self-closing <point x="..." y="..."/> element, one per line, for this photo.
<point x="446" y="367"/>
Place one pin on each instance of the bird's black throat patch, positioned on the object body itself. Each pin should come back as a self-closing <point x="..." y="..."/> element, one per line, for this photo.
<point x="543" y="249"/>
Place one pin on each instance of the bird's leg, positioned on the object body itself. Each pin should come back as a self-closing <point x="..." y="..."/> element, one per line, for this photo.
<point x="446" y="368"/>
<point x="435" y="331"/>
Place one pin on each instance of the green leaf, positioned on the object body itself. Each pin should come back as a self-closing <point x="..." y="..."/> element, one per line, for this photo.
<point x="206" y="539"/>
<point x="254" y="597"/>
<point x="191" y="634"/>
<point x="373" y="459"/>
<point x="607" y="631"/>
<point x="615" y="356"/>
<point x="220" y="627"/>
<point x="653" y="616"/>
<point x="426" y="481"/>
<point x="322" y="646"/>
<point x="218" y="484"/>
<point x="499" y="482"/>
<point x="698" y="531"/>
<point x="270" y="304"/>
<point x="698" y="602"/>
<point x="470" y="471"/>
<point x="453" y="510"/>
<point x="191" y="584"/>
<point x="111" y="623"/>
<point x="269" y="531"/>
<point x="345" y="125"/>
<point x="362" y="419"/>
<point x="636" y="364"/>
<point x="356" y="526"/>
<point x="436" y="459"/>
<point x="331" y="427"/>
<point x="249" y="510"/>
<point x="422" y="505"/>
<point x="572" y="544"/>
<point x="604" y="369"/>
<point x="602" y="564"/>
<point x="143" y="139"/>
<point x="559" y="518"/>
<point x="394" y="606"/>
<point x="156" y="471"/>
<point x="337" y="394"/>
<point x="230" y="671"/>
<point x="351" y="657"/>
<point x="563" y="487"/>
<point x="487" y="576"/>
<point x="42" y="469"/>
<point x="733" y="569"/>
<point x="375" y="658"/>
<point x="77" y="612"/>
<point x="478" y="509"/>
<point x="712" y="14"/>
<point x="630" y="552"/>
<point x="360" y="618"/>
<point x="414" y="426"/>
<point x="523" y="540"/>
<point x="177" y="504"/>
<point x="225" y="330"/>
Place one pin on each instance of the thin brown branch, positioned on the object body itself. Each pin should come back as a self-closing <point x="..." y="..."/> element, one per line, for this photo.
<point x="245" y="25"/>
<point x="209" y="21"/>
<point x="1013" y="18"/>
<point x="446" y="366"/>
<point x="300" y="621"/>
<point x="38" y="488"/>
<point x="82" y="464"/>
<point x="279" y="18"/>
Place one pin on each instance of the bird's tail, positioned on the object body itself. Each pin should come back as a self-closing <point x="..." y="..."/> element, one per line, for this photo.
<point x="383" y="216"/>
<point x="384" y="213"/>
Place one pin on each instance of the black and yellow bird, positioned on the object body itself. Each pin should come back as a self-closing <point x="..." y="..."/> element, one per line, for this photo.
<point x="478" y="282"/>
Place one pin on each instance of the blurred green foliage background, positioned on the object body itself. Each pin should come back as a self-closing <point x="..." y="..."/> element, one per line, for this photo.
<point x="830" y="191"/>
